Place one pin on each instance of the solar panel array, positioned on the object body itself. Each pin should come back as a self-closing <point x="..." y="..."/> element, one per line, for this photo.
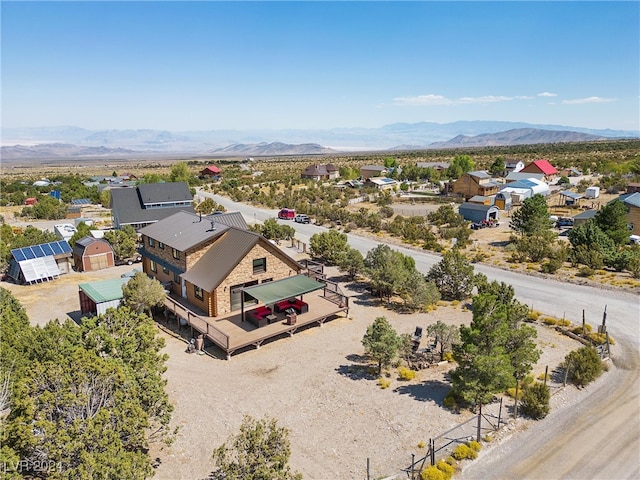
<point x="39" y="251"/>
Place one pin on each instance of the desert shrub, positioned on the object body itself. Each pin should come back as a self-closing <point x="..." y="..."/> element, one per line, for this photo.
<point x="533" y="316"/>
<point x="511" y="391"/>
<point x="584" y="365"/>
<point x="487" y="438"/>
<point x="586" y="272"/>
<point x="421" y="444"/>
<point x="551" y="266"/>
<point x="475" y="446"/>
<point x="541" y="377"/>
<point x="535" y="401"/>
<point x="406" y="373"/>
<point x="445" y="468"/>
<point x="452" y="401"/>
<point x="564" y="322"/>
<point x="384" y="383"/>
<point x="600" y="338"/>
<point x="463" y="452"/>
<point x="432" y="473"/>
<point x="578" y="330"/>
<point x="447" y="356"/>
<point x="549" y="321"/>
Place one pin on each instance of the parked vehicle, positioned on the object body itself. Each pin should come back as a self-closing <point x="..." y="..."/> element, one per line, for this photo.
<point x="564" y="222"/>
<point x="287" y="214"/>
<point x="301" y="218"/>
<point x="129" y="261"/>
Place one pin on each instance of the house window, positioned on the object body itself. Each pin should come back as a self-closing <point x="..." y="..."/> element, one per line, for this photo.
<point x="165" y="270"/>
<point x="175" y="253"/>
<point x="176" y="278"/>
<point x="153" y="266"/>
<point x="161" y="245"/>
<point x="197" y="291"/>
<point x="152" y="242"/>
<point x="260" y="265"/>
<point x="267" y="280"/>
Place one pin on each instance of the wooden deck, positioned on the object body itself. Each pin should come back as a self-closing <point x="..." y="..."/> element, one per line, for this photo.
<point x="231" y="334"/>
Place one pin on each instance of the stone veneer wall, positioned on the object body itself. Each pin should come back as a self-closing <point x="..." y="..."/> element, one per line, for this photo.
<point x="278" y="267"/>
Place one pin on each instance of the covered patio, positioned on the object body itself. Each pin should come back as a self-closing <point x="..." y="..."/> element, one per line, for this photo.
<point x="322" y="301"/>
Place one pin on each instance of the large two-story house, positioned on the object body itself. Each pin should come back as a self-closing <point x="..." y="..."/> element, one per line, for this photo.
<point x="208" y="260"/>
<point x="149" y="203"/>
<point x="475" y="183"/>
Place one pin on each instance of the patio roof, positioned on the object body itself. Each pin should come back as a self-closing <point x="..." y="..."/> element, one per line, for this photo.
<point x="272" y="292"/>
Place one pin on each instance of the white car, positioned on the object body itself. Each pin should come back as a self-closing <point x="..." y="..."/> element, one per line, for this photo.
<point x="301" y="218"/>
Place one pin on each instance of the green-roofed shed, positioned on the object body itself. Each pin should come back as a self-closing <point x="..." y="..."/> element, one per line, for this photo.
<point x="97" y="297"/>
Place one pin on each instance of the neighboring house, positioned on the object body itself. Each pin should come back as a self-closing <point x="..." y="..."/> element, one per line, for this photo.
<point x="515" y="176"/>
<point x="632" y="202"/>
<point x="523" y="189"/>
<point x="209" y="260"/>
<point x="210" y="172"/>
<point x="439" y="166"/>
<point x="64" y="230"/>
<point x="570" y="172"/>
<point x="475" y="183"/>
<point x="541" y="166"/>
<point x="97" y="297"/>
<point x="479" y="199"/>
<point x="513" y="166"/>
<point x="633" y="188"/>
<point x="381" y="183"/>
<point x="584" y="217"/>
<point x="91" y="254"/>
<point x="369" y="171"/>
<point x="475" y="212"/>
<point x="321" y="172"/>
<point x="148" y="203"/>
<point x="40" y="263"/>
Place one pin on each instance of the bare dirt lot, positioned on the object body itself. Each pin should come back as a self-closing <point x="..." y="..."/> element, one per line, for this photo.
<point x="316" y="384"/>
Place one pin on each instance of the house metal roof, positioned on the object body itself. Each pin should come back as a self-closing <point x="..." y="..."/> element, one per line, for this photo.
<point x="515" y="176"/>
<point x="586" y="215"/>
<point x="476" y="207"/>
<point x="543" y="165"/>
<point x="105" y="290"/>
<point x="154" y="193"/>
<point x="479" y="174"/>
<point x="184" y="230"/>
<point x="127" y="208"/>
<point x="632" y="199"/>
<point x="221" y="258"/>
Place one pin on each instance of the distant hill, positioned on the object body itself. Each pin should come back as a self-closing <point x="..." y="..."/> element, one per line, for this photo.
<point x="58" y="150"/>
<point x="401" y="136"/>
<point x="517" y="136"/>
<point x="275" y="148"/>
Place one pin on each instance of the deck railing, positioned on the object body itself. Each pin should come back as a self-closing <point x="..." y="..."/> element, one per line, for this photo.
<point x="200" y="324"/>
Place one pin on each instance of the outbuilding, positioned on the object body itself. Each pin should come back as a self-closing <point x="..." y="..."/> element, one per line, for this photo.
<point x="97" y="297"/>
<point x="90" y="254"/>
<point x="475" y="212"/>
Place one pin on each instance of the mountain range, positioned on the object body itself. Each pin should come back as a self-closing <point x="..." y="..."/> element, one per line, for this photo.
<point x="69" y="141"/>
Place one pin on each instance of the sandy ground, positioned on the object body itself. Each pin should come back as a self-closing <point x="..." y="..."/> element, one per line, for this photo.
<point x="314" y="383"/>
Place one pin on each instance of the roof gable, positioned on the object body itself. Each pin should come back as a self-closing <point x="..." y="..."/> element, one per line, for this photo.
<point x="544" y="166"/>
<point x="184" y="231"/>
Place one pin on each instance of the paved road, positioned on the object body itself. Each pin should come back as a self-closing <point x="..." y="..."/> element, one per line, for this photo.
<point x="600" y="438"/>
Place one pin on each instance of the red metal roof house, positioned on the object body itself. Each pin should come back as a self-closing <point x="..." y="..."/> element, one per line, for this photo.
<point x="210" y="171"/>
<point x="541" y="166"/>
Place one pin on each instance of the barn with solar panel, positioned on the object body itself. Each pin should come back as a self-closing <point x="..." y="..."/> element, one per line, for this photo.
<point x="40" y="263"/>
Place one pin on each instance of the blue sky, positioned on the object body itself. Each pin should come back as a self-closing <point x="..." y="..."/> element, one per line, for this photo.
<point x="270" y="65"/>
